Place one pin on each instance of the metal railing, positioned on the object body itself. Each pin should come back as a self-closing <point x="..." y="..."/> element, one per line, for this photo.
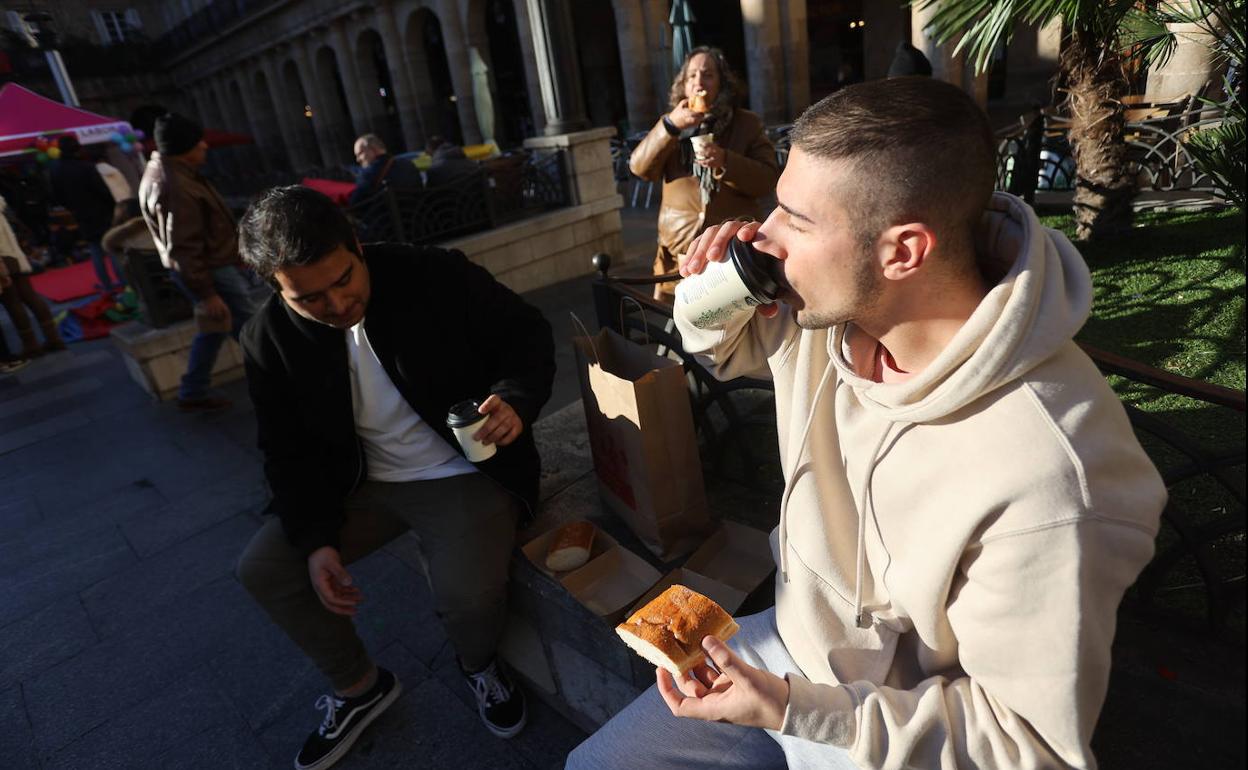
<point x="1038" y="150"/>
<point x="505" y="189"/>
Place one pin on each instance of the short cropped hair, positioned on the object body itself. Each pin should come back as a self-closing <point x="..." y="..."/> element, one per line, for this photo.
<point x="291" y="226"/>
<point x="918" y="149"/>
<point x="373" y="141"/>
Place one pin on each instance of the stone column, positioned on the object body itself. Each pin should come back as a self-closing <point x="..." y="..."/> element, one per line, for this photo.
<point x="532" y="81"/>
<point x="230" y="121"/>
<point x="796" y="47"/>
<point x="461" y="70"/>
<point x="764" y="60"/>
<point x="558" y="69"/>
<point x="1189" y="69"/>
<point x="287" y="112"/>
<point x="659" y="33"/>
<point x="635" y="62"/>
<point x="312" y="90"/>
<point x="345" y="52"/>
<point x="400" y="77"/>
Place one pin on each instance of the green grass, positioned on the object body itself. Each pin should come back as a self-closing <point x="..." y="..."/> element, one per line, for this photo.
<point x="1170" y="294"/>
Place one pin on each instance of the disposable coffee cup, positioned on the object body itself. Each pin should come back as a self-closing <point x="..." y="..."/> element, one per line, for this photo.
<point x="699" y="142"/>
<point x="464" y="420"/>
<point x="745" y="279"/>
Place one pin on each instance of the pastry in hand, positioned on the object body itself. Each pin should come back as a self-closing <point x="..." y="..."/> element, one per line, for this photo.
<point x="669" y="630"/>
<point x="698" y="102"/>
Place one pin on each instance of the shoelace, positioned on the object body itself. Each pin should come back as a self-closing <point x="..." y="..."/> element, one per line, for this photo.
<point x="331" y="706"/>
<point x="488" y="687"/>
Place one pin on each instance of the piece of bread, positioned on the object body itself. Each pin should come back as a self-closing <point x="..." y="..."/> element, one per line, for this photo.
<point x="698" y="102"/>
<point x="669" y="630"/>
<point x="570" y="546"/>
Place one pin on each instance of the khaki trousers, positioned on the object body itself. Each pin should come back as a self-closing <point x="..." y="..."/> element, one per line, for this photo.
<point x="466" y="526"/>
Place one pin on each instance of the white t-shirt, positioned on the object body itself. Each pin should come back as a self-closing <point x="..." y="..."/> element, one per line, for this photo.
<point x="398" y="445"/>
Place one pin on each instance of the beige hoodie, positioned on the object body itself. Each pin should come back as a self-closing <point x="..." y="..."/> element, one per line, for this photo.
<point x="953" y="549"/>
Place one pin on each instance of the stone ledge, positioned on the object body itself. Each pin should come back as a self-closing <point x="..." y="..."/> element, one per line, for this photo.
<point x="572" y="139"/>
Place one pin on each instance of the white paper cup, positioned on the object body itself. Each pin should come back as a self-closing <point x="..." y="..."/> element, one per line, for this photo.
<point x="464" y="420"/>
<point x="740" y="283"/>
<point x="699" y="142"/>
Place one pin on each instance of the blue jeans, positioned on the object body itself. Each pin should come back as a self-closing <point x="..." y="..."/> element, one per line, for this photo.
<point x="234" y="288"/>
<point x="646" y="734"/>
<point x="101" y="259"/>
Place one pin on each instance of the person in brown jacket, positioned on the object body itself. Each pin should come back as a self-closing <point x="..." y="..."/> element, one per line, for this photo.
<point x="196" y="237"/>
<point x="723" y="180"/>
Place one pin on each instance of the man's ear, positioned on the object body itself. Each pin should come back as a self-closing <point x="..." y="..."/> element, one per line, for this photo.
<point x="905" y="250"/>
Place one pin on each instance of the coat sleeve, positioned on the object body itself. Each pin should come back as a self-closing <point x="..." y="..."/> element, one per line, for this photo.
<point x="753" y="172"/>
<point x="742" y="346"/>
<point x="1035" y="625"/>
<point x="188" y="241"/>
<point x="650" y="156"/>
<point x="514" y="335"/>
<point x="310" y="512"/>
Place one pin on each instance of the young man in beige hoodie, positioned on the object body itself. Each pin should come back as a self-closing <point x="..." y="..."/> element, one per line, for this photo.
<point x="965" y="501"/>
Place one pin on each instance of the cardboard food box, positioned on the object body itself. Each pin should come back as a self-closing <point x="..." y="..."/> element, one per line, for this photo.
<point x="609" y="584"/>
<point x="735" y="555"/>
<point x="723" y="594"/>
<point x="536" y="549"/>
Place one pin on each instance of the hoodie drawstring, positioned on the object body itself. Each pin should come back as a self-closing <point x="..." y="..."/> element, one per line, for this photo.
<point x="860" y="619"/>
<point x="788" y="484"/>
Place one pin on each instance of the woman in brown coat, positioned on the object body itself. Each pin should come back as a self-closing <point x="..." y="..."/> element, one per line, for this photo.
<point x="725" y="179"/>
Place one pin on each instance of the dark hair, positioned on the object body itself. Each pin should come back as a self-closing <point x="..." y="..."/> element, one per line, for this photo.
<point x="292" y="225"/>
<point x="919" y="149"/>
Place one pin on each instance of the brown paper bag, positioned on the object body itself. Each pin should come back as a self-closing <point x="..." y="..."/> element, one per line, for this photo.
<point x="641" y="433"/>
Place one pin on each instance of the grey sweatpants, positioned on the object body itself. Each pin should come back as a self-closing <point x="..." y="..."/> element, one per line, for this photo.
<point x="466" y="526"/>
<point x="645" y="734"/>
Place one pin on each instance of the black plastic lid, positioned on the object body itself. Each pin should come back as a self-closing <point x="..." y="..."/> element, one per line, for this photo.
<point x="757" y="270"/>
<point x="463" y="414"/>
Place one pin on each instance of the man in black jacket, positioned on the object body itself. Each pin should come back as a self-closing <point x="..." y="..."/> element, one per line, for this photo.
<point x="352" y="366"/>
<point x="78" y="186"/>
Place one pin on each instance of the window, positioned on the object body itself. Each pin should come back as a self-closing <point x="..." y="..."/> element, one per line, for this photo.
<point x="117" y="26"/>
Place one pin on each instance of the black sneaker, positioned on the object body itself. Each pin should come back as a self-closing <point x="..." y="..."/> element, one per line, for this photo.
<point x="345" y="719"/>
<point x="500" y="703"/>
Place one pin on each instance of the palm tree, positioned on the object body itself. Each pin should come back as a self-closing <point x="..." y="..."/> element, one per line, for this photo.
<point x="1098" y="42"/>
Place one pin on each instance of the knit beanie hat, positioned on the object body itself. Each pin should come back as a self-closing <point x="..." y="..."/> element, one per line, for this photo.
<point x="908" y="61"/>
<point x="176" y="134"/>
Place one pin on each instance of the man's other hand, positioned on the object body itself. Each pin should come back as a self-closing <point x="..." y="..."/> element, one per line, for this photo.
<point x="740" y="693"/>
<point x="333" y="584"/>
<point x="215" y="308"/>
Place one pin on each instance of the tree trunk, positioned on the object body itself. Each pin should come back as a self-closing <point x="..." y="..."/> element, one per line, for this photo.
<point x="1104" y="185"/>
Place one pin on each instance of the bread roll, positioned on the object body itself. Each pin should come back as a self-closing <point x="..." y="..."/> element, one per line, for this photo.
<point x="570" y="546"/>
<point x="669" y="630"/>
<point x="698" y="102"/>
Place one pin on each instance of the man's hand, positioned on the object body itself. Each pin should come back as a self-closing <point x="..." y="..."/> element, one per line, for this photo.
<point x="712" y="246"/>
<point x="215" y="308"/>
<point x="682" y="117"/>
<point x="740" y="694"/>
<point x="503" y="426"/>
<point x="332" y="582"/>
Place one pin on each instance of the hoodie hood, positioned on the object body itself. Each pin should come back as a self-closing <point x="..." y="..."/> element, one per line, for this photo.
<point x="1043" y="298"/>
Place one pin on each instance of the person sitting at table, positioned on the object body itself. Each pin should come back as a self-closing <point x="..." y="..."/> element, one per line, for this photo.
<point x="379" y="169"/>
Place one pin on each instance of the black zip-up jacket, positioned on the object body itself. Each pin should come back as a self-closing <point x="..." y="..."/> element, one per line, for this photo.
<point x="444" y="330"/>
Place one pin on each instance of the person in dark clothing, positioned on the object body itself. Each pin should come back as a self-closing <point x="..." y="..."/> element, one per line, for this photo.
<point x="78" y="186"/>
<point x="353" y="365"/>
<point x="378" y="170"/>
<point x="448" y="164"/>
<point x="908" y="60"/>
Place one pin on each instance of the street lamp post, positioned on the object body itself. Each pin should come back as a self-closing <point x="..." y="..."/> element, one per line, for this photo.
<point x="42" y="37"/>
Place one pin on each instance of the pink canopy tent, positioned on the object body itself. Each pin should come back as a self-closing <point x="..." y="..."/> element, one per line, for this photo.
<point x="25" y="116"/>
